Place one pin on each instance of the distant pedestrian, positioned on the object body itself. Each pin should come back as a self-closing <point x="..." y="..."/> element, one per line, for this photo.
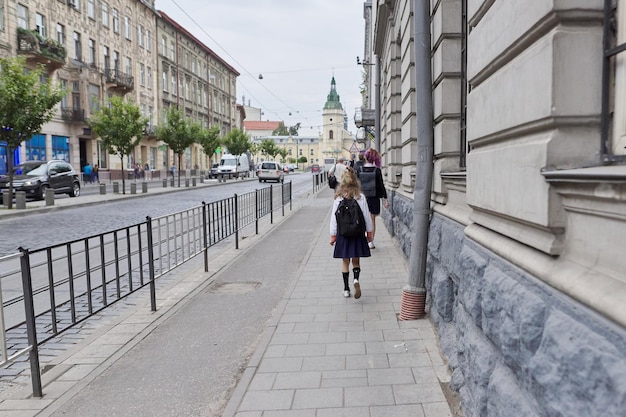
<point x="338" y="169"/>
<point x="95" y="177"/>
<point x="358" y="165"/>
<point x="373" y="187"/>
<point x="87" y="173"/>
<point x="350" y="249"/>
<point x="173" y="170"/>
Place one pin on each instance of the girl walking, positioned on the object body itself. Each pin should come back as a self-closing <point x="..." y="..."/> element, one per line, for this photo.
<point x="373" y="186"/>
<point x="350" y="249"/>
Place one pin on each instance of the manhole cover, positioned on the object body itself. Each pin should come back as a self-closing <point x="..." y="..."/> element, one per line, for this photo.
<point x="233" y="287"/>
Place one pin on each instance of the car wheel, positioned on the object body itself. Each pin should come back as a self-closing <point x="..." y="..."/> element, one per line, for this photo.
<point x="42" y="191"/>
<point x="75" y="190"/>
<point x="260" y="180"/>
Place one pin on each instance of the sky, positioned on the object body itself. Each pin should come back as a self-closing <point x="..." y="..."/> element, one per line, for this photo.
<point x="296" y="45"/>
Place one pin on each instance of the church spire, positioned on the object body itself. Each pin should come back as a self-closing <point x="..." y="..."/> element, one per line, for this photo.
<point x="332" y="100"/>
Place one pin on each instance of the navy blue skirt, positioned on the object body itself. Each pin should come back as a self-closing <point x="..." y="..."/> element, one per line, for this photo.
<point x="351" y="247"/>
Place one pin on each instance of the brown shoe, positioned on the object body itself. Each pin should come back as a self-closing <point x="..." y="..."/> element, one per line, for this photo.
<point x="357" y="289"/>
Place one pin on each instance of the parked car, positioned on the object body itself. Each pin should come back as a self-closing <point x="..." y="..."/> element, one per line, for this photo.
<point x="286" y="169"/>
<point x="214" y="171"/>
<point x="315" y="168"/>
<point x="270" y="171"/>
<point x="292" y="167"/>
<point x="35" y="177"/>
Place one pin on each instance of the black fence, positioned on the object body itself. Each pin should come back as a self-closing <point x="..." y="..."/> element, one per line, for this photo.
<point x="65" y="284"/>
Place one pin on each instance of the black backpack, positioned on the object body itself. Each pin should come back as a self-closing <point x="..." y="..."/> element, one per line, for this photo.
<point x="350" y="220"/>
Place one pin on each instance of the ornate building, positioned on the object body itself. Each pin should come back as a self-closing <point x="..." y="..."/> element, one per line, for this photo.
<point x="335" y="139"/>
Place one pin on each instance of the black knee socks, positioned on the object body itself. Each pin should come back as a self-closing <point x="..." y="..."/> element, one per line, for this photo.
<point x="356" y="272"/>
<point x="346" y="275"/>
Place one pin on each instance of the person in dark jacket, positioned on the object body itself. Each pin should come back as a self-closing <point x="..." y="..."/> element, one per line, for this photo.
<point x="373" y="187"/>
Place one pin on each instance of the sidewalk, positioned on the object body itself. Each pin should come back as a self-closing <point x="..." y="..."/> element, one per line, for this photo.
<point x="319" y="354"/>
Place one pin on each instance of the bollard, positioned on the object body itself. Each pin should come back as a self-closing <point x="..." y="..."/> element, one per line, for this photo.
<point x="144" y="187"/>
<point x="186" y="182"/>
<point x="103" y="189"/>
<point x="202" y="180"/>
<point x="116" y="188"/>
<point x="49" y="197"/>
<point x="193" y="182"/>
<point x="172" y="182"/>
<point x="164" y="183"/>
<point x="20" y="200"/>
<point x="133" y="188"/>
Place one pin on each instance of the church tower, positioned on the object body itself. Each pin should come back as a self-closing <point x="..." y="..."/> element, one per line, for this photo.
<point x="336" y="140"/>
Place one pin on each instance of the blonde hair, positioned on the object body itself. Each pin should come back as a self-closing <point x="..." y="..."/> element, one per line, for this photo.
<point x="349" y="185"/>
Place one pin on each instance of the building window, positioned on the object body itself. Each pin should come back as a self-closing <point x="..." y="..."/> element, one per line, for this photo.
<point x="116" y="60"/>
<point x="61" y="148"/>
<point x="105" y="56"/>
<point x="187" y="92"/>
<point x="116" y="21"/>
<point x="148" y="40"/>
<point x="101" y="154"/>
<point x="173" y="83"/>
<point x="40" y="24"/>
<point x="149" y="77"/>
<point x="75" y="95"/>
<point x="331" y="134"/>
<point x="22" y="16"/>
<point x="2" y="16"/>
<point x="61" y="34"/>
<point x="94" y="98"/>
<point x="142" y="74"/>
<point x="129" y="66"/>
<point x="127" y="27"/>
<point x="92" y="52"/>
<point x="164" y="46"/>
<point x="64" y="99"/>
<point x="172" y="51"/>
<point x="77" y="46"/>
<point x="91" y="9"/>
<point x="36" y="148"/>
<point x="164" y="81"/>
<point x="105" y="14"/>
<point x="140" y="38"/>
<point x="612" y="119"/>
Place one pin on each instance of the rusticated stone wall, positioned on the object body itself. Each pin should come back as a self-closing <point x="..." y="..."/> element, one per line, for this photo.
<point x="515" y="346"/>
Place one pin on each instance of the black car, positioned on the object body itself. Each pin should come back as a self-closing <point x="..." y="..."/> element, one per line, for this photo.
<point x="34" y="177"/>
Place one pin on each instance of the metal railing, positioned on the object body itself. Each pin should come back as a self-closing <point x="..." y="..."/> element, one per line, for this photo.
<point x="65" y="284"/>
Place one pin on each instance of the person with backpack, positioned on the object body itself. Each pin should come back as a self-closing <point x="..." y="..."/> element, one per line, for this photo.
<point x="373" y="187"/>
<point x="350" y="229"/>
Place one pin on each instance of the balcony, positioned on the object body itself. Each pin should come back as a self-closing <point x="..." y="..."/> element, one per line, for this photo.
<point x="72" y="115"/>
<point x="117" y="79"/>
<point x="149" y="131"/>
<point x="40" y="50"/>
<point x="364" y="117"/>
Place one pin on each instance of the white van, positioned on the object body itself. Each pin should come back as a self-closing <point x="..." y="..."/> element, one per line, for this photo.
<point x="236" y="166"/>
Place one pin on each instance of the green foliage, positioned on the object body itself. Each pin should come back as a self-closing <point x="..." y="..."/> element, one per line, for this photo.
<point x="283" y="153"/>
<point x="282" y="130"/>
<point x="120" y="125"/>
<point x="302" y="160"/>
<point x="209" y="138"/>
<point x="26" y="104"/>
<point x="177" y="132"/>
<point x="268" y="147"/>
<point x="237" y="142"/>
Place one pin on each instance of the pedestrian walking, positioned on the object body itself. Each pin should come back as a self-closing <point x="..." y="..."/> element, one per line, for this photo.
<point x="358" y="165"/>
<point x="337" y="170"/>
<point x="87" y="173"/>
<point x="350" y="248"/>
<point x="373" y="187"/>
<point x="95" y="177"/>
<point x="173" y="170"/>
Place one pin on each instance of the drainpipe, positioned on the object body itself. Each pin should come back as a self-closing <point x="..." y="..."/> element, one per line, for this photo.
<point x="414" y="294"/>
<point x="377" y="102"/>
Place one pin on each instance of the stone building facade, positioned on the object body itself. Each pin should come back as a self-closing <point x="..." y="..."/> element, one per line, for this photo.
<point x="525" y="275"/>
<point x="96" y="49"/>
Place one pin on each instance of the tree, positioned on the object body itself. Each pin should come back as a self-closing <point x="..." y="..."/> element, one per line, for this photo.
<point x="208" y="138"/>
<point x="26" y="104"/>
<point x="282" y="130"/>
<point x="302" y="160"/>
<point x="283" y="154"/>
<point x="237" y="142"/>
<point x="177" y="133"/>
<point x="268" y="147"/>
<point x="120" y="126"/>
